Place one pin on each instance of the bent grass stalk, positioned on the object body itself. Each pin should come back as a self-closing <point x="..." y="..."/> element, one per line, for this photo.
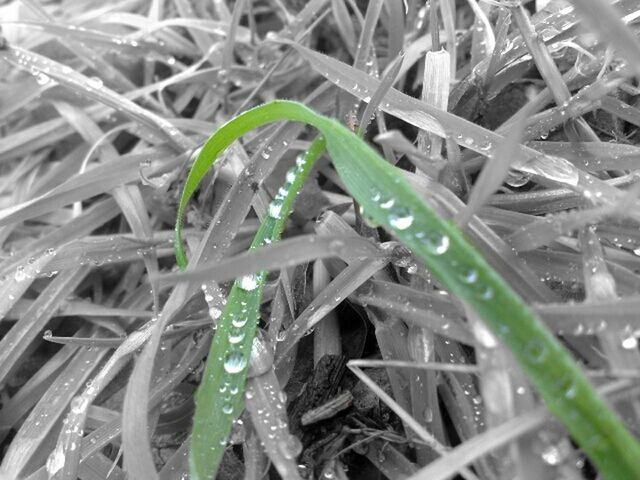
<point x="388" y="200"/>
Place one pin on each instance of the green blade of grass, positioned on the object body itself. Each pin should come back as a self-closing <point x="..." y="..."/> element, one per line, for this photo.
<point x="458" y="266"/>
<point x="219" y="399"/>
<point x="389" y="200"/>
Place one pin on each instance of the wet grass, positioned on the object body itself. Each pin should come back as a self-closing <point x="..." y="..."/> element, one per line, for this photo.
<point x="366" y="350"/>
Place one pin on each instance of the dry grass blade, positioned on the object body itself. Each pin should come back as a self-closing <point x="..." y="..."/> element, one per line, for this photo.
<point x="365" y="42"/>
<point x="85" y="185"/>
<point x="494" y="171"/>
<point x="417" y="308"/>
<point x="395" y="26"/>
<point x="408" y="419"/>
<point x="16" y="342"/>
<point x="450" y="463"/>
<point x="326" y="336"/>
<point x="340" y="287"/>
<point x="286" y="253"/>
<point x="388" y="78"/>
<point x="448" y="12"/>
<point x="606" y="20"/>
<point x="43" y="418"/>
<point x="268" y="415"/>
<point x="469" y="135"/>
<point x="345" y="24"/>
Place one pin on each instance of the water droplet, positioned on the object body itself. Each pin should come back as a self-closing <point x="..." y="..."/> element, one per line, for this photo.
<point x="20" y="275"/>
<point x="567" y="386"/>
<point x="239" y="322"/>
<point x="401" y="219"/>
<point x="215" y="312"/>
<point x="234" y="362"/>
<point x="428" y="415"/>
<point x="282" y="192"/>
<point x="42" y="78"/>
<point x="291" y="176"/>
<point x="79" y="404"/>
<point x="484" y="336"/>
<point x="536" y="351"/>
<point x="630" y="343"/>
<point x="55" y="461"/>
<point x="248" y="282"/>
<point x="387" y="204"/>
<point x="486" y="146"/>
<point x="469" y="275"/>
<point x="290" y="448"/>
<point x="96" y="82"/>
<point x="261" y="357"/>
<point x="517" y="179"/>
<point x="301" y="160"/>
<point x="555" y="454"/>
<point x="275" y="208"/>
<point x="227" y="409"/>
<point x="436" y="243"/>
<point x="486" y="292"/>
<point x="236" y="337"/>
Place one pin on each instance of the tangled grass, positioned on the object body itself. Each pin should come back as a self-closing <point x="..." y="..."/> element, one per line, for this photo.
<point x="512" y="126"/>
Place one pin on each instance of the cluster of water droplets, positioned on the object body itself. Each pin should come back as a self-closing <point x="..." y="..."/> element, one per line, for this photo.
<point x="435" y="242"/>
<point x="33" y="65"/>
<point x="235" y="360"/>
<point x="214" y="310"/>
<point x="482" y="145"/>
<point x="275" y="207"/>
<point x="270" y="419"/>
<point x="34" y="267"/>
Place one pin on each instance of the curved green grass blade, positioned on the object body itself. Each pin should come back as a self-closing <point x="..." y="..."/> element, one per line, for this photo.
<point x="220" y="397"/>
<point x="389" y="201"/>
